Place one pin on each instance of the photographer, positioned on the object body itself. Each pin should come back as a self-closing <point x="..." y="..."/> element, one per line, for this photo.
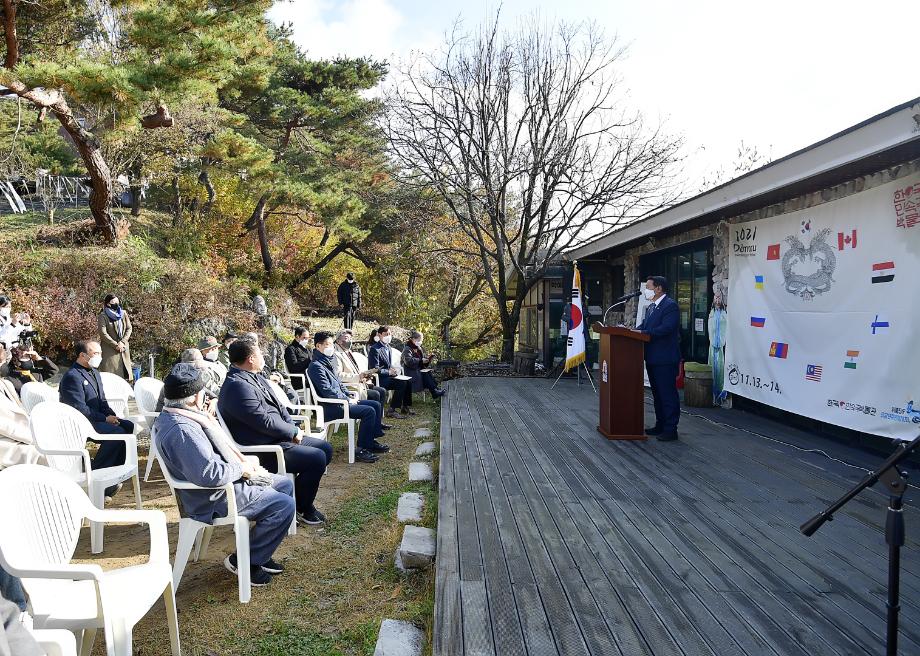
<point x="417" y="364"/>
<point x="26" y="365"/>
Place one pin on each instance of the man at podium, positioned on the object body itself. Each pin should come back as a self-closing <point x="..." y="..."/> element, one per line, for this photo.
<point x="662" y="356"/>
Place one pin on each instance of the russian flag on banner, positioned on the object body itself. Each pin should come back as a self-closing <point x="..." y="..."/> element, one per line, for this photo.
<point x="882" y="272"/>
<point x="575" y="342"/>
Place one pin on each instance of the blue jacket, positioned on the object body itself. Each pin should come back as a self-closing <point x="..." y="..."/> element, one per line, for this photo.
<point x="81" y="388"/>
<point x="327" y="383"/>
<point x="378" y="357"/>
<point x="252" y="413"/>
<point x="663" y="326"/>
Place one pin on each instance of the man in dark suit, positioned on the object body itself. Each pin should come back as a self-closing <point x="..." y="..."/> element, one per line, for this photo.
<point x="81" y="388"/>
<point x="662" y="356"/>
<point x="379" y="357"/>
<point x="254" y="417"/>
<point x="349" y="296"/>
<point x="297" y="355"/>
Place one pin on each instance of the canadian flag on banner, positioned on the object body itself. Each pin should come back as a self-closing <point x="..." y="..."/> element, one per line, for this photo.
<point x="844" y="240"/>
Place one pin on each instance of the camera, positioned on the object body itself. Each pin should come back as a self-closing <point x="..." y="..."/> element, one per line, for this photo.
<point x="25" y="338"/>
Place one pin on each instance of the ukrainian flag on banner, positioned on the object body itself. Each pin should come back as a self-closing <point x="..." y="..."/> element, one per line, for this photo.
<point x="575" y="343"/>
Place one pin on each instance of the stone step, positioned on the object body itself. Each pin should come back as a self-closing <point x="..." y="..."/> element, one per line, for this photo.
<point x="425" y="449"/>
<point x="417" y="549"/>
<point x="411" y="505"/>
<point x="397" y="638"/>
<point x="422" y="432"/>
<point x="420" y="471"/>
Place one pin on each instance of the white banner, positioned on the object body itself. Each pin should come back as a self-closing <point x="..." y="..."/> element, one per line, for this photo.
<point x="823" y="321"/>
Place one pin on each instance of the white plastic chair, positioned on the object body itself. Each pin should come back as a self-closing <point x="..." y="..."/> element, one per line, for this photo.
<point x="195" y="536"/>
<point x="302" y="412"/>
<point x="33" y="393"/>
<point x="118" y="392"/>
<point x="60" y="433"/>
<point x="55" y="642"/>
<point x="346" y="419"/>
<point x="147" y="394"/>
<point x="275" y="450"/>
<point x="40" y="520"/>
<point x="303" y="381"/>
<point x="363" y="365"/>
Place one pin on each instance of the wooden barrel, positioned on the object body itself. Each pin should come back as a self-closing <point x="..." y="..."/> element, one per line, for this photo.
<point x="698" y="386"/>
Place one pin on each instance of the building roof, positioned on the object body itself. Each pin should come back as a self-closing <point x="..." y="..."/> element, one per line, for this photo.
<point x="889" y="138"/>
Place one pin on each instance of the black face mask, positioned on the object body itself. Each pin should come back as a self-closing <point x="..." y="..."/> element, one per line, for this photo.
<point x="115" y="307"/>
<point x="26" y="365"/>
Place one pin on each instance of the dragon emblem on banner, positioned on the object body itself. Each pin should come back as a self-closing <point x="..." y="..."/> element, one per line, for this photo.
<point x="808" y="270"/>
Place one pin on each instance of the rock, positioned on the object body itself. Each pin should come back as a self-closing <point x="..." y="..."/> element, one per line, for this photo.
<point x="259" y="306"/>
<point x="398" y="638"/>
<point x="420" y="471"/>
<point x="425" y="449"/>
<point x="417" y="548"/>
<point x="410" y="507"/>
<point x="422" y="432"/>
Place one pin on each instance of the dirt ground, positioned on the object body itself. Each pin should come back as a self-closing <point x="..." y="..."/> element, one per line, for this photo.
<point x="339" y="580"/>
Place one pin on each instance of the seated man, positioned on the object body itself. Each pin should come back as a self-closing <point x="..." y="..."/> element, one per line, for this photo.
<point x="81" y="388"/>
<point x="194" y="448"/>
<point x="417" y="365"/>
<point x="297" y="355"/>
<point x="16" y="447"/>
<point x="378" y="357"/>
<point x="350" y="373"/>
<point x="210" y="351"/>
<point x="328" y="386"/>
<point x="254" y="416"/>
<point x="223" y="355"/>
<point x="272" y="374"/>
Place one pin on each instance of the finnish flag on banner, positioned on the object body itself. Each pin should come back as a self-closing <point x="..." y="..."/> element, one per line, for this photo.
<point x="575" y="342"/>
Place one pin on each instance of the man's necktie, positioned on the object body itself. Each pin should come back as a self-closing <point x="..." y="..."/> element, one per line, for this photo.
<point x="649" y="310"/>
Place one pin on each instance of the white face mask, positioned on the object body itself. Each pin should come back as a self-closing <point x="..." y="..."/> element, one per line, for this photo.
<point x="5" y="312"/>
<point x="419" y="341"/>
<point x="211" y="356"/>
<point x="95" y="361"/>
<point x="649" y="294"/>
<point x="304" y="342"/>
<point x="387" y="339"/>
<point x="328" y="351"/>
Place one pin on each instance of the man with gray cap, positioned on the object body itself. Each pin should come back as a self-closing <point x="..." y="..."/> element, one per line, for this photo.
<point x="210" y="352"/>
<point x="194" y="448"/>
<point x="350" y="373"/>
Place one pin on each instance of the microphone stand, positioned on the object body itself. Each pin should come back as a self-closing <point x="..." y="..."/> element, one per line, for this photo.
<point x="896" y="481"/>
<point x="623" y="302"/>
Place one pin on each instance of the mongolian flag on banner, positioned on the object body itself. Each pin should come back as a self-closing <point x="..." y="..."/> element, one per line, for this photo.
<point x="575" y="343"/>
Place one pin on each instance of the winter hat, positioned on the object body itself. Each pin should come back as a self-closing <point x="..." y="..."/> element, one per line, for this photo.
<point x="183" y="381"/>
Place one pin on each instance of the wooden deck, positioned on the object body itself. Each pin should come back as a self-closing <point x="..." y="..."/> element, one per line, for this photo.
<point x="552" y="540"/>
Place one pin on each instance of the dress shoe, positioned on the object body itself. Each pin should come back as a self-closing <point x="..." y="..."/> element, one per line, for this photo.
<point x="395" y="414"/>
<point x="408" y="411"/>
<point x="654" y="430"/>
<point x="363" y="455"/>
<point x="386" y="426"/>
<point x="666" y="437"/>
<point x="378" y="447"/>
<point x="438" y="393"/>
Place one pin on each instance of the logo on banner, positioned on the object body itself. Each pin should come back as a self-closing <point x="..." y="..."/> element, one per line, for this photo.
<point x="852" y="407"/>
<point x="779" y="350"/>
<point x="806" y="226"/>
<point x="907" y="206"/>
<point x="904" y="415"/>
<point x="773" y="252"/>
<point x="745" y="241"/>
<point x="813" y="372"/>
<point x="734" y="376"/>
<point x="758" y="322"/>
<point x="845" y="240"/>
<point x="880" y="325"/>
<point x="852" y="356"/>
<point x="882" y="272"/>
<point x="808" y="270"/>
<point x="758" y="282"/>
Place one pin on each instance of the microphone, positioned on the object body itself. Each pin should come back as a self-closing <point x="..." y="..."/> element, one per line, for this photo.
<point x="627" y="297"/>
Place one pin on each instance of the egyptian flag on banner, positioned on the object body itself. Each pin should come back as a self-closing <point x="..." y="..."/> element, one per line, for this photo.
<point x="575" y="342"/>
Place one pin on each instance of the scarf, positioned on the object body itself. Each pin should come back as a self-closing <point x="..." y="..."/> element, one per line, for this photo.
<point x="116" y="317"/>
<point x="223" y="444"/>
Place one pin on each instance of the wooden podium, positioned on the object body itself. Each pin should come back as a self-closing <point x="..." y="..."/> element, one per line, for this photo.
<point x="622" y="386"/>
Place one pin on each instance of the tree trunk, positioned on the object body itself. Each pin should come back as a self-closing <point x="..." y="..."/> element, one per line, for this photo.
<point x="176" y="202"/>
<point x="257" y="222"/>
<point x="316" y="268"/>
<point x="510" y="321"/>
<point x="205" y="180"/>
<point x="100" y="198"/>
<point x="135" y="189"/>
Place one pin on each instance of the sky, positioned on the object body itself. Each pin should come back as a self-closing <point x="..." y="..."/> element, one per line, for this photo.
<point x="777" y="76"/>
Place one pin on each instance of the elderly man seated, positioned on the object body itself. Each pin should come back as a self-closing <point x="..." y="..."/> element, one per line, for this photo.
<point x="254" y="416"/>
<point x="348" y="371"/>
<point x="16" y="447"/>
<point x="328" y="386"/>
<point x="195" y="449"/>
<point x="210" y="352"/>
<point x="81" y="388"/>
<point x="379" y="358"/>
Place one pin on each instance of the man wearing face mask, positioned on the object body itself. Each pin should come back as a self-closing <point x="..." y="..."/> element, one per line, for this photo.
<point x="194" y="448"/>
<point x="255" y="417"/>
<point x="417" y="365"/>
<point x="297" y="356"/>
<point x="114" y="335"/>
<point x="662" y="356"/>
<point x="379" y="357"/>
<point x="329" y="386"/>
<point x="350" y="373"/>
<point x="210" y="350"/>
<point x="349" y="296"/>
<point x="223" y="355"/>
<point x="81" y="388"/>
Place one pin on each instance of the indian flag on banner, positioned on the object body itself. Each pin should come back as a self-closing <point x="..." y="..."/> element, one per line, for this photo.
<point x="575" y="342"/>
